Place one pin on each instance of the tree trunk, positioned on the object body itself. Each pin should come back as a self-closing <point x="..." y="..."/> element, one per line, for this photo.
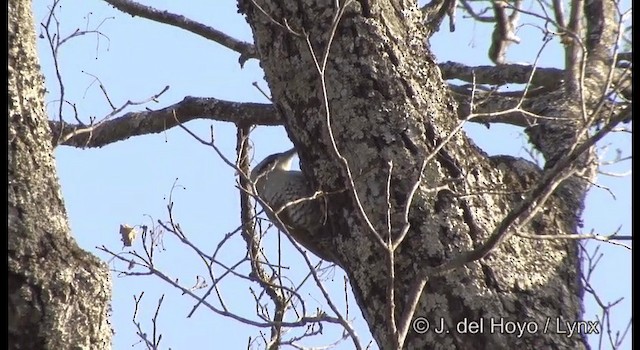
<point x="58" y="294"/>
<point x="388" y="110"/>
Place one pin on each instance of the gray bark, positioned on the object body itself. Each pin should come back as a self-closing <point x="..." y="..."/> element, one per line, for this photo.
<point x="389" y="103"/>
<point x="58" y="294"/>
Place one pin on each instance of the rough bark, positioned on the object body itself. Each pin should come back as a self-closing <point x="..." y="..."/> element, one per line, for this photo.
<point x="389" y="104"/>
<point x="58" y="294"/>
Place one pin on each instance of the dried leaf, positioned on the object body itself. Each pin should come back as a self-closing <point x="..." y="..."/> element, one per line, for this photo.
<point x="128" y="234"/>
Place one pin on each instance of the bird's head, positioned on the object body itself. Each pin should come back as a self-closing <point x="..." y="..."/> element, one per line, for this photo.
<point x="278" y="161"/>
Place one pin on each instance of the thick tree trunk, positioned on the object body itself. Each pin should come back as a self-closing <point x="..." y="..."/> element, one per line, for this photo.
<point x="58" y="294"/>
<point x="388" y="109"/>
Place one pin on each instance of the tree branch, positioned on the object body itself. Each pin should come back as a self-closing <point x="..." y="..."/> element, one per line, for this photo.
<point x="558" y="13"/>
<point x="524" y="210"/>
<point x="502" y="107"/>
<point x="487" y="104"/>
<point x="603" y="28"/>
<point x="504" y="32"/>
<point x="573" y="46"/>
<point x="251" y="238"/>
<point x="246" y="50"/>
<point x="434" y="13"/>
<point x="152" y="122"/>
<point x="478" y="16"/>
<point x="501" y="75"/>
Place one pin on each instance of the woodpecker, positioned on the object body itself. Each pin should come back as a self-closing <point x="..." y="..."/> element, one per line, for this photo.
<point x="277" y="185"/>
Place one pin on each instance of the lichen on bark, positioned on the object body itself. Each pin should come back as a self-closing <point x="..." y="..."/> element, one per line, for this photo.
<point x="59" y="295"/>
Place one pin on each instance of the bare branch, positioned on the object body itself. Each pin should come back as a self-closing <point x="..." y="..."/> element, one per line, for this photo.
<point x="504" y="32"/>
<point x="249" y="234"/>
<point x="591" y="262"/>
<point x="56" y="41"/>
<point x="154" y="342"/>
<point x="573" y="46"/>
<point x="525" y="209"/>
<point x="478" y="16"/>
<point x="558" y="13"/>
<point x="87" y="130"/>
<point x="246" y="50"/>
<point x="503" y="74"/>
<point x="302" y="321"/>
<point x="242" y="174"/>
<point x="434" y="13"/>
<point x="241" y="113"/>
<point x="511" y="108"/>
<point x="153" y="122"/>
<point x="612" y="239"/>
<point x="601" y="28"/>
<point x="244" y="113"/>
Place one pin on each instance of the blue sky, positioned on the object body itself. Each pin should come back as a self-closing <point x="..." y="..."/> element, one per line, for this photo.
<point x="130" y="181"/>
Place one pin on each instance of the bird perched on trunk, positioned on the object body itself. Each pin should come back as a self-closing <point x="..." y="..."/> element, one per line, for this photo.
<point x="285" y="190"/>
